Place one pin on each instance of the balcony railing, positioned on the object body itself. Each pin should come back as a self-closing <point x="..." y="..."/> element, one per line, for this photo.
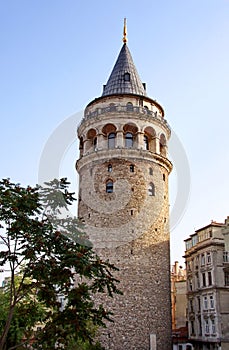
<point x="140" y="111"/>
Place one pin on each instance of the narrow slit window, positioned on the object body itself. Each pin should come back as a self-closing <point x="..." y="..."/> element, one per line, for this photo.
<point x="150" y="171"/>
<point x="109" y="186"/>
<point x="132" y="168"/>
<point x="151" y="189"/>
<point x="109" y="168"/>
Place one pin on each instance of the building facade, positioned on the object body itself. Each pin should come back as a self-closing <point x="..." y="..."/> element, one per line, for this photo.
<point x="207" y="267"/>
<point x="179" y="308"/>
<point x="123" y="200"/>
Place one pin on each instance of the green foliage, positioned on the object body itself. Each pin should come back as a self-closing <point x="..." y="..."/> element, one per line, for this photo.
<point x="54" y="258"/>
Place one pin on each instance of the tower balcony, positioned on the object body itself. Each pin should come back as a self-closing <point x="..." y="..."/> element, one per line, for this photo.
<point x="128" y="110"/>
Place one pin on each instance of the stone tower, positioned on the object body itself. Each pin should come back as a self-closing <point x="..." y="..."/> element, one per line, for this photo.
<point x="123" y="199"/>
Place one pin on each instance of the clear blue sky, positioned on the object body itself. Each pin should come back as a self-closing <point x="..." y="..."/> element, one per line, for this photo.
<point x="56" y="55"/>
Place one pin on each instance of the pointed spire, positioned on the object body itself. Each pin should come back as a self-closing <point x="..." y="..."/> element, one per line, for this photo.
<point x="124" y="32"/>
<point x="124" y="78"/>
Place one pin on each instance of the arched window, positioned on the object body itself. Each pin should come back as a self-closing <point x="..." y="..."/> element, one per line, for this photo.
<point x="111" y="140"/>
<point x="146" y="142"/>
<point x="129" y="106"/>
<point x="129" y="140"/>
<point x="151" y="189"/>
<point x="109" y="186"/>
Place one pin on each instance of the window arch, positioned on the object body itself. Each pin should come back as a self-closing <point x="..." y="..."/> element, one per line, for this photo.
<point x="150" y="133"/>
<point x="109" y="186"/>
<point x="129" y="140"/>
<point x="151" y="189"/>
<point x="129" y="106"/>
<point x="111" y="140"/>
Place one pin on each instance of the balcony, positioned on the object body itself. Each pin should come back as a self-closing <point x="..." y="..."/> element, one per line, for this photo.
<point x="125" y="109"/>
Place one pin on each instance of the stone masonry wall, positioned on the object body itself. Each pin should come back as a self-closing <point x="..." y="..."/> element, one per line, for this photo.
<point x="130" y="228"/>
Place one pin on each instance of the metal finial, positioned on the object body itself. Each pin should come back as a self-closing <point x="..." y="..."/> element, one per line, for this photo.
<point x="124" y="32"/>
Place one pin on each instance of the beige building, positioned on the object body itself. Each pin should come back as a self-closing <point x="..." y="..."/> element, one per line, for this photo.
<point x="207" y="263"/>
<point x="179" y="308"/>
<point x="123" y="199"/>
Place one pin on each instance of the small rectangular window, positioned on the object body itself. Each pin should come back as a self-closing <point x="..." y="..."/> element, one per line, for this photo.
<point x="203" y="259"/>
<point x="212" y="303"/>
<point x="203" y="279"/>
<point x="206" y="326"/>
<point x="209" y="278"/>
<point x="213" y="326"/>
<point x="226" y="277"/>
<point x="208" y="258"/>
<point x="132" y="168"/>
<point x="205" y="302"/>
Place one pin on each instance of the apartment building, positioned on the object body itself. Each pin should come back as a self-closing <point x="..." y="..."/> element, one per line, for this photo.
<point x="207" y="264"/>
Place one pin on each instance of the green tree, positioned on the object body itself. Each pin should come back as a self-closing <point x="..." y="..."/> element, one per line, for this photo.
<point x="54" y="259"/>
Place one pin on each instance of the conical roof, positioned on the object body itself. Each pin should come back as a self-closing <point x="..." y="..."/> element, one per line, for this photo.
<point x="124" y="78"/>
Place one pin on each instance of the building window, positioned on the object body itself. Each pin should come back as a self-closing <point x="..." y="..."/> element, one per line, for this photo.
<point x="205" y="302"/>
<point x="109" y="168"/>
<point x="212" y="303"/>
<point x="207" y="326"/>
<point x="95" y="143"/>
<point x="192" y="328"/>
<point x="203" y="279"/>
<point x="203" y="259"/>
<point x="226" y="256"/>
<point x="111" y="140"/>
<point x="151" y="189"/>
<point x="132" y="168"/>
<point x="208" y="258"/>
<point x="129" y="107"/>
<point x="209" y="278"/>
<point x="213" y="326"/>
<point x="129" y="140"/>
<point x="163" y="177"/>
<point x="126" y="76"/>
<point x="198" y="304"/>
<point x="109" y="186"/>
<point x="226" y="278"/>
<point x="200" y="325"/>
<point x="190" y="284"/>
<point x="146" y="142"/>
<point x="197" y="280"/>
<point x="191" y="305"/>
<point x="150" y="171"/>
